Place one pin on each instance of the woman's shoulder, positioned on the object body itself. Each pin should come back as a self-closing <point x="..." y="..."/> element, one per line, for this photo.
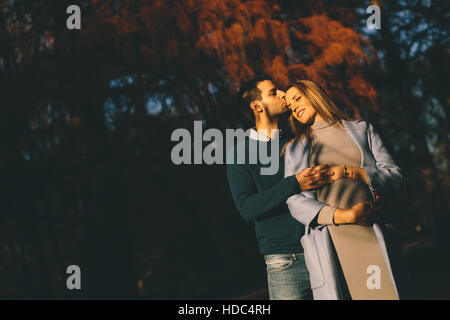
<point x="294" y="145"/>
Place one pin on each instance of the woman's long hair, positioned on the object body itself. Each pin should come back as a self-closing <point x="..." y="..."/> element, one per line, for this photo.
<point x="321" y="102"/>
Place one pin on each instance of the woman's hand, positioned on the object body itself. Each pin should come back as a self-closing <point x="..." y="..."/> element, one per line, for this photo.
<point x="364" y="213"/>
<point x="337" y="172"/>
<point x="354" y="173"/>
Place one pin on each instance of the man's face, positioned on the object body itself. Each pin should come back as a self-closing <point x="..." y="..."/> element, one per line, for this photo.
<point x="272" y="99"/>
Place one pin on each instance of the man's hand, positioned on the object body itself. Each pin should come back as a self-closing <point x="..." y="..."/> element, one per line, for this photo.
<point x="364" y="213"/>
<point x="314" y="178"/>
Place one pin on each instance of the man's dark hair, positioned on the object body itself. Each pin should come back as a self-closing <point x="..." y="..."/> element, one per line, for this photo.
<point x="249" y="92"/>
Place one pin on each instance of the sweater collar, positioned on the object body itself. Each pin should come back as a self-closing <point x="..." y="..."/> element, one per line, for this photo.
<point x="321" y="124"/>
<point x="255" y="135"/>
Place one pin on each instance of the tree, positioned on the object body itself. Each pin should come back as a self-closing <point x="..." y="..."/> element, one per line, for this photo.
<point x="409" y="75"/>
<point x="90" y="113"/>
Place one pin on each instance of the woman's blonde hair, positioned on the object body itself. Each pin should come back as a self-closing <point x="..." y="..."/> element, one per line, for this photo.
<point x="321" y="102"/>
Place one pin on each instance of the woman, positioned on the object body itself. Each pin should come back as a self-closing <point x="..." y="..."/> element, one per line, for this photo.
<point x="354" y="263"/>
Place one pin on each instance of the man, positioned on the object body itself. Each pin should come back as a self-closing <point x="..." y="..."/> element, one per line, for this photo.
<point x="261" y="198"/>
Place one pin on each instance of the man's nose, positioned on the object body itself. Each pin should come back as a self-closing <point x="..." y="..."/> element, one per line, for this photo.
<point x="282" y="95"/>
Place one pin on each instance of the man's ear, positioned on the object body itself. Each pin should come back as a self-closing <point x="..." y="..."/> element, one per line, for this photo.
<point x="256" y="106"/>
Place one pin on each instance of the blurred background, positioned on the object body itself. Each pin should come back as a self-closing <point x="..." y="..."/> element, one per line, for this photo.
<point x="86" y="174"/>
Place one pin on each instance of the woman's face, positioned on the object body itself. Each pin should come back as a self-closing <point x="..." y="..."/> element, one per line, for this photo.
<point x="300" y="106"/>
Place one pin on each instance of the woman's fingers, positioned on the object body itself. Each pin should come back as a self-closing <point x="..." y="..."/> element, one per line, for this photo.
<point x="368" y="211"/>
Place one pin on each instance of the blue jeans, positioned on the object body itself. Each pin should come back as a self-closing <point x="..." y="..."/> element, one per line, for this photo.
<point x="288" y="277"/>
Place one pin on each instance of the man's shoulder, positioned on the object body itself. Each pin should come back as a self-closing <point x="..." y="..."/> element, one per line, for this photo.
<point x="238" y="149"/>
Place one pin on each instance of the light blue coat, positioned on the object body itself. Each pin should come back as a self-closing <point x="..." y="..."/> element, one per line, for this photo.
<point x="383" y="174"/>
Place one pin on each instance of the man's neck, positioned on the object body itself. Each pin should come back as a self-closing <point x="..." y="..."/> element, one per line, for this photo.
<point x="267" y="127"/>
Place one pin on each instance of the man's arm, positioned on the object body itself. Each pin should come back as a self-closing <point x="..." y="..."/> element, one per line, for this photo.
<point x="252" y="203"/>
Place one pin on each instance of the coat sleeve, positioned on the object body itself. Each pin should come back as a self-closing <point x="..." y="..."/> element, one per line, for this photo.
<point x="385" y="174"/>
<point x="302" y="206"/>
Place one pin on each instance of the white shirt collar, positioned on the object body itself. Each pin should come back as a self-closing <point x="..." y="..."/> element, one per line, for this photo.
<point x="255" y="135"/>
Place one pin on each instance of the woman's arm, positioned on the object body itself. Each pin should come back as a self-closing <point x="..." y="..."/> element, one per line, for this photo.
<point x="361" y="213"/>
<point x="303" y="206"/>
<point x="384" y="174"/>
<point x="329" y="215"/>
<point x="306" y="209"/>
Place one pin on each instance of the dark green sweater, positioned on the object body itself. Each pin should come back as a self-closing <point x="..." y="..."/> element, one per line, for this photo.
<point x="262" y="199"/>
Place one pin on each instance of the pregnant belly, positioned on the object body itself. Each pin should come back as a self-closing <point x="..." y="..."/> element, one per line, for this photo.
<point x="344" y="193"/>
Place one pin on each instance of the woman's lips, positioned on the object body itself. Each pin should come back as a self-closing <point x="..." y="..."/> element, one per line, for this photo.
<point x="299" y="112"/>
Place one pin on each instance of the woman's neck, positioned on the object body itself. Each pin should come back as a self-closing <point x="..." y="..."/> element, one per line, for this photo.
<point x="317" y="118"/>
